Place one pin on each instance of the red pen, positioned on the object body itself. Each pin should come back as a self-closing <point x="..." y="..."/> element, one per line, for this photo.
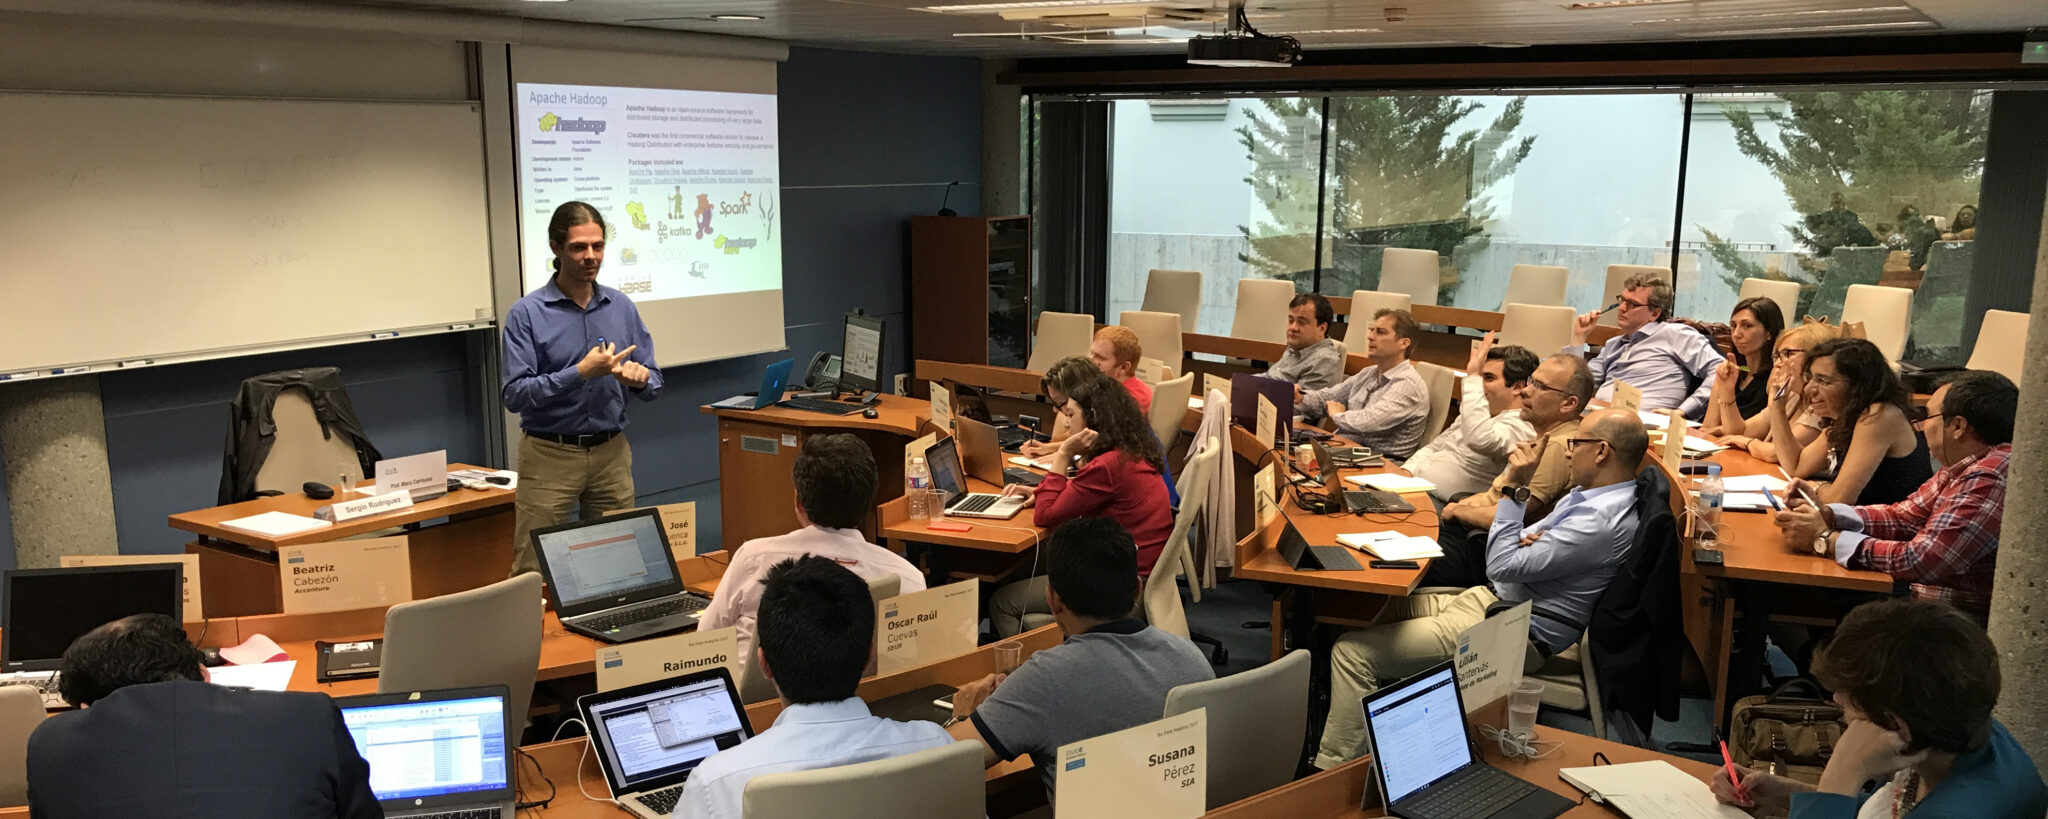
<point x="1734" y="779"/>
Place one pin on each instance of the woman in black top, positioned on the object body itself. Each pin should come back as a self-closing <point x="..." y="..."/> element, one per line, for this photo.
<point x="1869" y="441"/>
<point x="1741" y="384"/>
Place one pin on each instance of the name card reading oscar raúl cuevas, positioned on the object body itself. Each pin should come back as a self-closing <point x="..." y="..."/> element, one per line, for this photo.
<point x="923" y="627"/>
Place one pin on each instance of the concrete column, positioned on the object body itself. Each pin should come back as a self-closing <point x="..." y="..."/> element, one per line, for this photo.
<point x="1002" y="159"/>
<point x="2019" y="601"/>
<point x="60" y="492"/>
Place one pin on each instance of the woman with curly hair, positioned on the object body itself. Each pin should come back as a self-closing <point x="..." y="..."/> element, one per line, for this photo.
<point x="1869" y="443"/>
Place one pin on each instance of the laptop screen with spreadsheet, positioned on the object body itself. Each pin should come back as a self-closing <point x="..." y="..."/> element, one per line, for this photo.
<point x="603" y="559"/>
<point x="432" y="747"/>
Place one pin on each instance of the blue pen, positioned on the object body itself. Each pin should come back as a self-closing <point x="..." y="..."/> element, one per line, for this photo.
<point x="1774" y="501"/>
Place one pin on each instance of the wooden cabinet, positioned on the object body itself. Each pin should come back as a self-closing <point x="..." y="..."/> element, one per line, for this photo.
<point x="970" y="289"/>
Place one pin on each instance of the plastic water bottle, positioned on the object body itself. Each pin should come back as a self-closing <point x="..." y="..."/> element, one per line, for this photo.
<point x="1710" y="509"/>
<point x="917" y="485"/>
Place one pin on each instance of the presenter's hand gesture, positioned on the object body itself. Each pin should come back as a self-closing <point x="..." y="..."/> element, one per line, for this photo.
<point x="631" y="373"/>
<point x="602" y="360"/>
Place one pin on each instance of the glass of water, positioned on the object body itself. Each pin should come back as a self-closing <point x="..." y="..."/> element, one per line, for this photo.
<point x="1523" y="703"/>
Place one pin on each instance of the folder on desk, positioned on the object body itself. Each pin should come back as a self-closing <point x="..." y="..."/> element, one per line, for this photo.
<point x="1650" y="790"/>
<point x="276" y="524"/>
<point x="1390" y="482"/>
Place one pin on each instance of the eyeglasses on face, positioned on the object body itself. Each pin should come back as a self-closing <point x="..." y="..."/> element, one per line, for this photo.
<point x="1786" y="353"/>
<point x="1538" y="384"/>
<point x="1629" y="303"/>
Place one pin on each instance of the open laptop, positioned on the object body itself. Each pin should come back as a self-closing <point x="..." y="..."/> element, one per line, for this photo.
<point x="1357" y="501"/>
<point x="649" y="737"/>
<point x="1424" y="764"/>
<point x="981" y="453"/>
<point x="943" y="458"/>
<point x="614" y="579"/>
<point x="773" y="380"/>
<point x="436" y="754"/>
<point x="1305" y="558"/>
<point x="46" y="609"/>
<point x="1245" y="390"/>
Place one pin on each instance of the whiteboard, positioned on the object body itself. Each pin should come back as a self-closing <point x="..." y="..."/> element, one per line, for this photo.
<point x="139" y="229"/>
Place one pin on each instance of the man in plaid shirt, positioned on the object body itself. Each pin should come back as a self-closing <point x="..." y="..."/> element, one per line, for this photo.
<point x="1943" y="540"/>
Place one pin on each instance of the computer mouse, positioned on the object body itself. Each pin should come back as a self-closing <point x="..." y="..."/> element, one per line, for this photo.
<point x="870" y="412"/>
<point x="210" y="657"/>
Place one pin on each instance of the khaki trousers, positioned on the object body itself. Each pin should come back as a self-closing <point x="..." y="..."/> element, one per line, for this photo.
<point x="1412" y="634"/>
<point x="555" y="479"/>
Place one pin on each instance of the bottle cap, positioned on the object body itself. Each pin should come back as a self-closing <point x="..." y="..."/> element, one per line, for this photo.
<point x="1713" y="470"/>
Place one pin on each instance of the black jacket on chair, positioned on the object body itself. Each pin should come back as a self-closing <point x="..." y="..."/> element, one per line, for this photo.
<point x="252" y="429"/>
<point x="184" y="750"/>
<point x="1638" y="643"/>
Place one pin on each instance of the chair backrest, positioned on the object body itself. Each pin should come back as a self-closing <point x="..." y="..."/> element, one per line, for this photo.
<point x="1170" y="407"/>
<point x="1886" y="313"/>
<point x="21" y="710"/>
<point x="1158" y="334"/>
<point x="1543" y="328"/>
<point x="302" y="451"/>
<point x="938" y="783"/>
<point x="1846" y="266"/>
<point x="1175" y="291"/>
<point x="1262" y="309"/>
<point x="1060" y="335"/>
<point x="1536" y="284"/>
<point x="1366" y="303"/>
<point x="1940" y="301"/>
<point x="1784" y="292"/>
<point x="884" y="587"/>
<point x="1260" y="716"/>
<point x="1443" y="384"/>
<point x="2001" y="344"/>
<point x="1411" y="271"/>
<point x="1618" y="275"/>
<point x="1161" y="597"/>
<point x="1635" y="635"/>
<point x="484" y="636"/>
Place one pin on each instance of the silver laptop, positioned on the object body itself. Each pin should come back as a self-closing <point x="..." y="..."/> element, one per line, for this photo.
<point x="649" y="737"/>
<point x="436" y="754"/>
<point x="943" y="458"/>
<point x="614" y="579"/>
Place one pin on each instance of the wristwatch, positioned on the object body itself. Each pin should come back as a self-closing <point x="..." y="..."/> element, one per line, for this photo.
<point x="1821" y="545"/>
<point x="1518" y="494"/>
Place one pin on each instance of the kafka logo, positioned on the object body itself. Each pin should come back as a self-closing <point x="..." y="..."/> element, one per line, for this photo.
<point x="550" y="122"/>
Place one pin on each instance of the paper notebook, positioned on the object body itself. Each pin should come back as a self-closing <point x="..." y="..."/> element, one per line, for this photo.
<point x="1393" y="546"/>
<point x="1650" y="790"/>
<point x="276" y="524"/>
<point x="1389" y="482"/>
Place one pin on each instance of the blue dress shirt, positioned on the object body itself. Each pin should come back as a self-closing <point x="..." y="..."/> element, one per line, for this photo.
<point x="1582" y="545"/>
<point x="1662" y="359"/>
<point x="804" y="737"/>
<point x="545" y="335"/>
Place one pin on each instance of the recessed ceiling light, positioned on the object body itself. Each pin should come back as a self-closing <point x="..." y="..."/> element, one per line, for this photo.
<point x="1805" y="29"/>
<point x="1766" y="15"/>
<point x="736" y="18"/>
<point x="1621" y="4"/>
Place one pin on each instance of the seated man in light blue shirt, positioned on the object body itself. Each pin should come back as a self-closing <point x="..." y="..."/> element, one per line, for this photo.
<point x="1562" y="563"/>
<point x="815" y="634"/>
<point x="1672" y="364"/>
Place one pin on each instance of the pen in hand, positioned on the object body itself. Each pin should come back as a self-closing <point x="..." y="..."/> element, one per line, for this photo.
<point x="1735" y="780"/>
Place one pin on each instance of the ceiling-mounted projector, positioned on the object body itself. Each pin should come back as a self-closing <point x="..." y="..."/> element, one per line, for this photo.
<point x="1241" y="51"/>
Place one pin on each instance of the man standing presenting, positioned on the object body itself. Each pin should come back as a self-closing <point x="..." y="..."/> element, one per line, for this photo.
<point x="573" y="350"/>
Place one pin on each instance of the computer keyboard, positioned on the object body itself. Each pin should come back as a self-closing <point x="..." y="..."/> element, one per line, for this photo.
<point x="1010" y="438"/>
<point x="471" y="813"/>
<point x="1020" y="475"/>
<point x="621" y="619"/>
<point x="1483" y="792"/>
<point x="976" y="503"/>
<point x="822" y="405"/>
<point x="45" y="685"/>
<point x="1376" y="502"/>
<point x="662" y="802"/>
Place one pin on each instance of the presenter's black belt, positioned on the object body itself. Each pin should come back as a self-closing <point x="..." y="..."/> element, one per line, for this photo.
<point x="586" y="440"/>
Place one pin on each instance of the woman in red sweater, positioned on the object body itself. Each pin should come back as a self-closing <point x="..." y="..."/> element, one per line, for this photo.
<point x="1108" y="466"/>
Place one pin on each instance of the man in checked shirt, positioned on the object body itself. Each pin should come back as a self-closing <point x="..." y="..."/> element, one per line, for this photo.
<point x="1943" y="539"/>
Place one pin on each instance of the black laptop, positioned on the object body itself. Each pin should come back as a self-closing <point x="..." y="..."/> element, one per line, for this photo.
<point x="1424" y="763"/>
<point x="1357" y="501"/>
<point x="613" y="578"/>
<point x="1305" y="558"/>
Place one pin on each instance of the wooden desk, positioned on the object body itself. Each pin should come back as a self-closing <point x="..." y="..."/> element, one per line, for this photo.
<point x="471" y="548"/>
<point x="989" y="551"/>
<point x="758" y="448"/>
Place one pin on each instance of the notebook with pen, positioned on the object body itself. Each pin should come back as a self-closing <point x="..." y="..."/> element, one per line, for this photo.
<point x="1649" y="790"/>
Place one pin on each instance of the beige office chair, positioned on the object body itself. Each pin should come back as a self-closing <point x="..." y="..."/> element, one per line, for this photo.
<point x="21" y="710"/>
<point x="1170" y="407"/>
<point x="1161" y="597"/>
<point x="1785" y="293"/>
<point x="1262" y="309"/>
<point x="1619" y="274"/>
<point x="1443" y="385"/>
<point x="1569" y="684"/>
<point x="1543" y="328"/>
<point x="1158" y="334"/>
<point x="2001" y="344"/>
<point x="1260" y="716"/>
<point x="935" y="783"/>
<point x="1536" y="284"/>
<point x="1415" y="272"/>
<point x="1060" y="335"/>
<point x="1886" y="313"/>
<point x="302" y="451"/>
<point x="1175" y="291"/>
<point x="757" y="687"/>
<point x="1365" y="303"/>
<point x="485" y="636"/>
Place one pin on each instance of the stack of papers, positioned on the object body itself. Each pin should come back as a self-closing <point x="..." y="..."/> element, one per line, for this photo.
<point x="276" y="524"/>
<point x="1393" y="545"/>
<point x="1753" y="483"/>
<point x="1390" y="482"/>
<point x="1694" y="446"/>
<point x="1658" y="420"/>
<point x="263" y="677"/>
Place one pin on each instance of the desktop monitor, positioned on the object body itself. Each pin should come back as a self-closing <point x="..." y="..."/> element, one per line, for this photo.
<point x="46" y="609"/>
<point x="860" y="366"/>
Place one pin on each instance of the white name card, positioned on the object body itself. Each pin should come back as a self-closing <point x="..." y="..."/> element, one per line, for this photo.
<point x="942" y="407"/>
<point x="1627" y="397"/>
<point x="363" y="507"/>
<point x="345" y="574"/>
<point x="1214" y="383"/>
<point x="1674" y="441"/>
<point x="679" y="523"/>
<point x="1262" y="494"/>
<point x="1157" y="770"/>
<point x="643" y="661"/>
<point x="1151" y="370"/>
<point x="924" y="627"/>
<point x="425" y="474"/>
<point x="194" y="607"/>
<point x="1268" y="420"/>
<point x="1490" y="656"/>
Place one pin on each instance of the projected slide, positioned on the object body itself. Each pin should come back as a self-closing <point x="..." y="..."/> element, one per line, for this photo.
<point x="687" y="181"/>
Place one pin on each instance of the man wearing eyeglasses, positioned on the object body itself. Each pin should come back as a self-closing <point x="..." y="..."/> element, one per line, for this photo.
<point x="1943" y="539"/>
<point x="1562" y="564"/>
<point x="1671" y="363"/>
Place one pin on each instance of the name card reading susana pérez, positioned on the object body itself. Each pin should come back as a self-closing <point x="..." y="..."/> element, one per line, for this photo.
<point x="1158" y="770"/>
